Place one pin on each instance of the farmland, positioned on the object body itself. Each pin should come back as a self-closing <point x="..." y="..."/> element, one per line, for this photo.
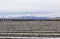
<point x="18" y="26"/>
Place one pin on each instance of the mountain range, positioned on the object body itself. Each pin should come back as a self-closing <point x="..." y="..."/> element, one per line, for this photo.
<point x="29" y="17"/>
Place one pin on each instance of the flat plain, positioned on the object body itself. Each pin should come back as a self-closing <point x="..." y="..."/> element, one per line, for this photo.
<point x="18" y="26"/>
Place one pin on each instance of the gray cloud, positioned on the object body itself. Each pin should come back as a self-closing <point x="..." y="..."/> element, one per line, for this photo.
<point x="15" y="5"/>
<point x="10" y="6"/>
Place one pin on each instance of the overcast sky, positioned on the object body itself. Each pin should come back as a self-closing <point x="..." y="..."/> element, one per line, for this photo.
<point x="11" y="6"/>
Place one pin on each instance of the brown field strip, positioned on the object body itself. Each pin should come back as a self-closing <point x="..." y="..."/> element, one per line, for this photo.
<point x="31" y="34"/>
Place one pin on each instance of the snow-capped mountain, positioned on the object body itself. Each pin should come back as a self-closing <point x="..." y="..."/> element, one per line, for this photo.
<point x="31" y="17"/>
<point x="26" y="17"/>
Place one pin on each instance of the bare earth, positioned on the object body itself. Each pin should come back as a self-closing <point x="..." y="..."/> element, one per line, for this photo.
<point x="18" y="26"/>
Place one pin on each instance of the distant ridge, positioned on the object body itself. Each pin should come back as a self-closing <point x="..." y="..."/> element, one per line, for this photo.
<point x="28" y="17"/>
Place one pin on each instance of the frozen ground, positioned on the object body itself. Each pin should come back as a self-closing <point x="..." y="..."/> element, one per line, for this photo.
<point x="17" y="26"/>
